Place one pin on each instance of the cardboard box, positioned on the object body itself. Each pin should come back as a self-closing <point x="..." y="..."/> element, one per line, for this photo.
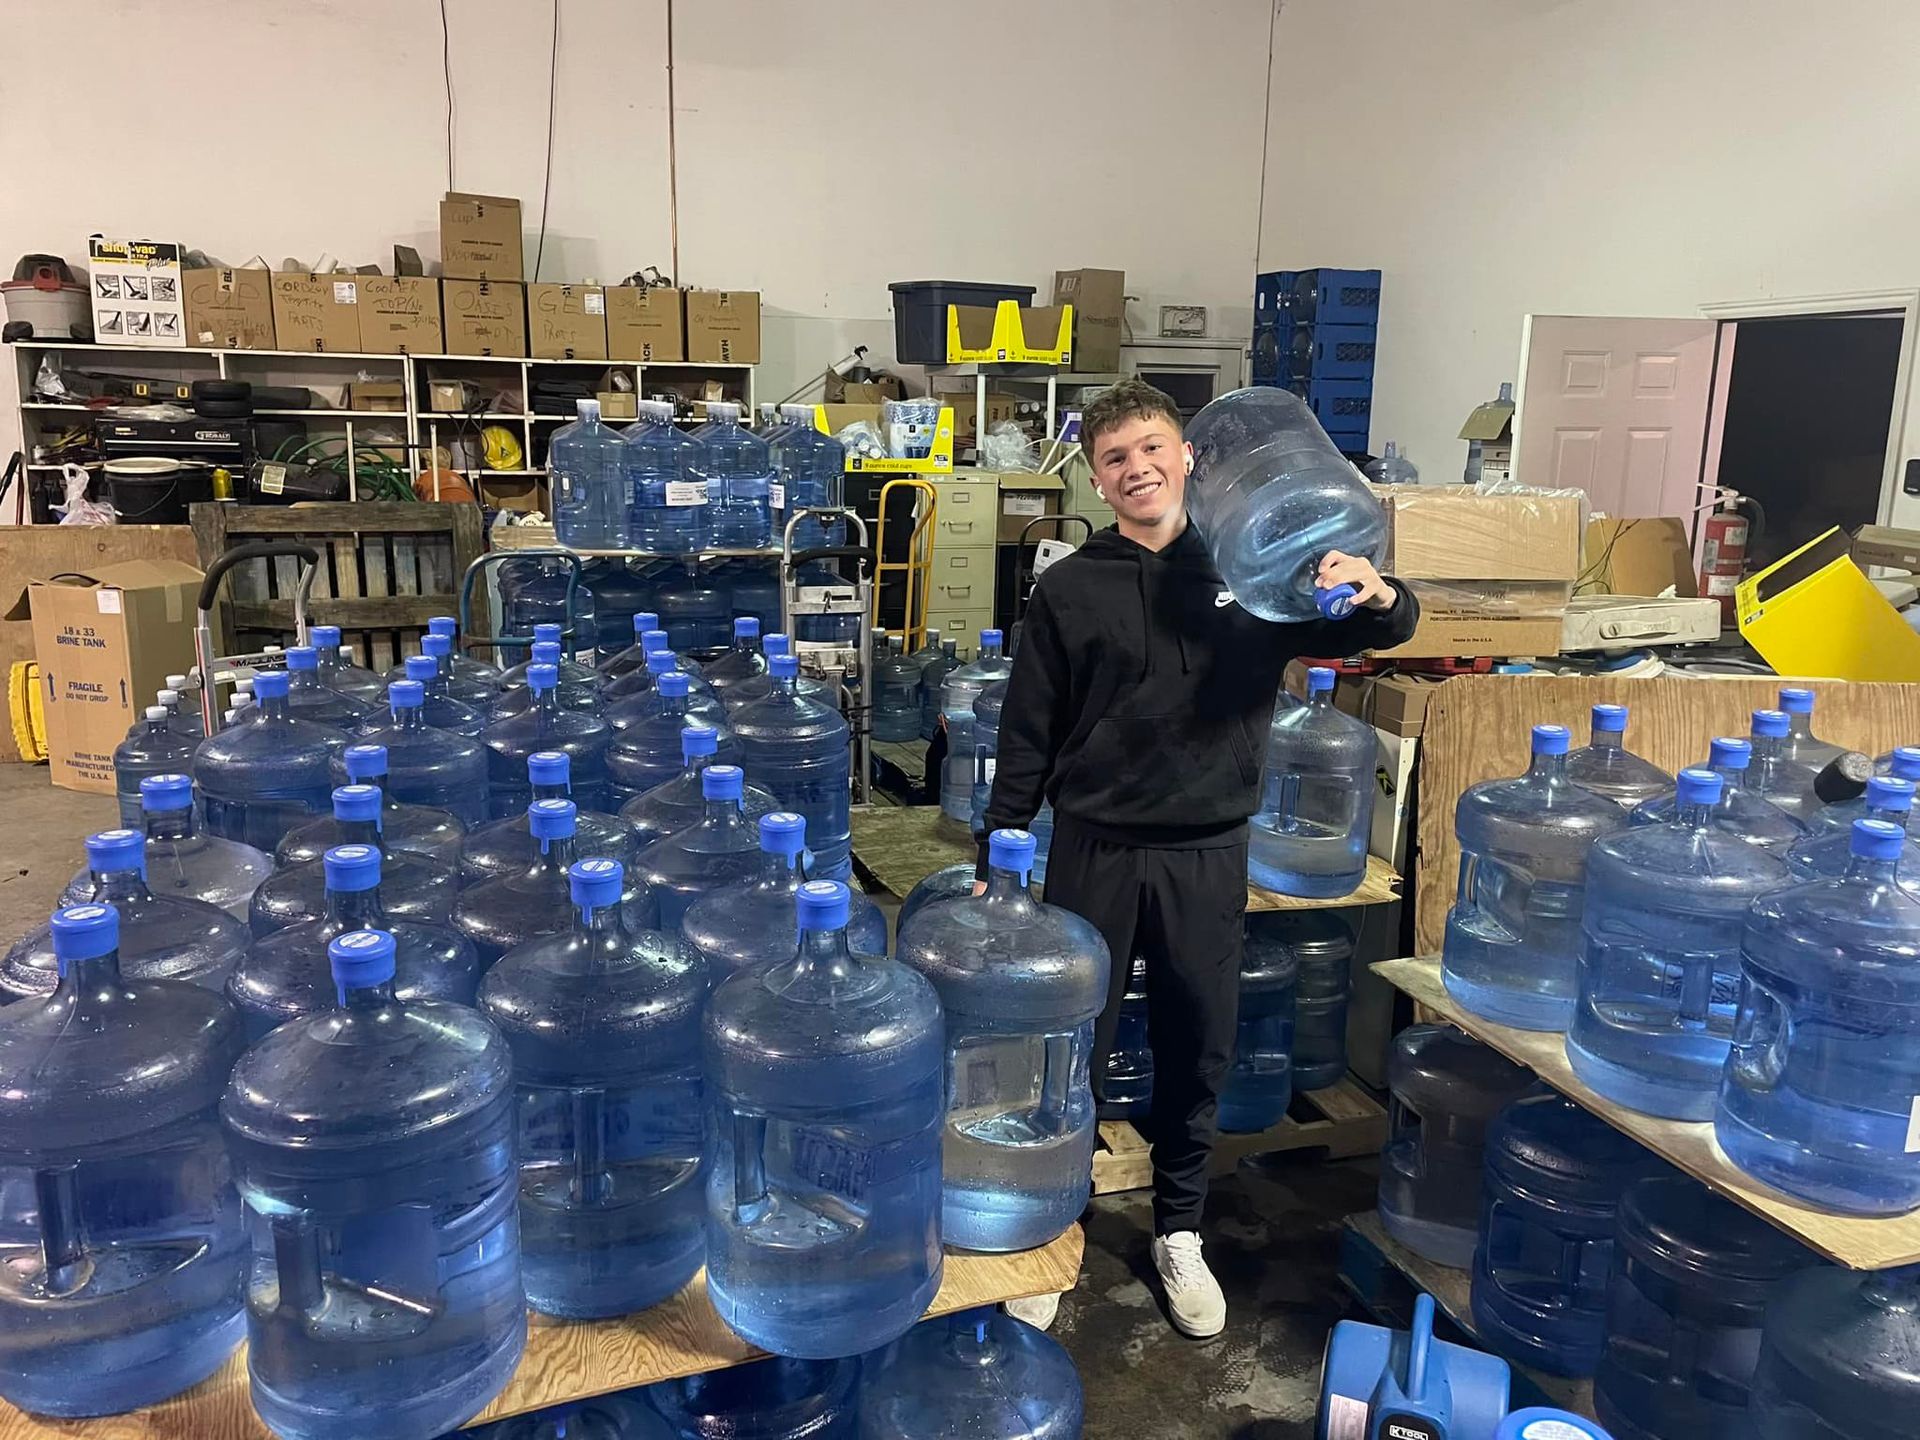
<point x="618" y="404"/>
<point x="1025" y="497"/>
<point x="1447" y="636"/>
<point x="1000" y="406"/>
<point x="316" y="312"/>
<point x="1396" y="704"/>
<point x="1099" y="300"/>
<point x="723" y="327"/>
<point x="400" y="315"/>
<point x="567" y="322"/>
<point x="1456" y="532"/>
<point x="1645" y="556"/>
<point x="1887" y="546"/>
<point x="1492" y="599"/>
<point x="838" y="390"/>
<point x="380" y="395"/>
<point x="645" y="323"/>
<point x="229" y="309"/>
<point x="484" y="317"/>
<point x="105" y="642"/>
<point x="480" y="238"/>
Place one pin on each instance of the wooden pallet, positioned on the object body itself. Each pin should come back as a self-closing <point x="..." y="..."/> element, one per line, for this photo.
<point x="1342" y="1121"/>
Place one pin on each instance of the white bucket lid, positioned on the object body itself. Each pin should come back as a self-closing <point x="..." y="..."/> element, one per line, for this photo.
<point x="143" y="467"/>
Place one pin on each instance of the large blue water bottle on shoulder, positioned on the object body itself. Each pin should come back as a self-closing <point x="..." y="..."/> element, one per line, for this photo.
<point x="583" y="738"/>
<point x="1826" y="851"/>
<point x="152" y="747"/>
<point x="373" y="1144"/>
<point x="1817" y="1098"/>
<point x="1512" y="946"/>
<point x="1309" y="836"/>
<point x="825" y="1081"/>
<point x="604" y="1023"/>
<point x="1836" y="1357"/>
<point x="1020" y="983"/>
<point x="258" y="780"/>
<point x="975" y="1373"/>
<point x="1660" y="970"/>
<point x="668" y="502"/>
<point x="739" y="474"/>
<point x="1272" y="496"/>
<point x="126" y="1249"/>
<point x="426" y="766"/>
<point x="798" y="748"/>
<point x="589" y="488"/>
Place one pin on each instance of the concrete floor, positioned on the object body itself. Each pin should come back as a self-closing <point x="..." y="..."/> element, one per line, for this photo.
<point x="1272" y="1234"/>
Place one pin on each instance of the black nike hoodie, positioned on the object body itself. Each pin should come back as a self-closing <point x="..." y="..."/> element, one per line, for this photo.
<point x="1142" y="693"/>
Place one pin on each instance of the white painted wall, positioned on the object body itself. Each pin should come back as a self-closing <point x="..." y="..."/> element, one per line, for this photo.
<point x="1496" y="157"/>
<point x="823" y="150"/>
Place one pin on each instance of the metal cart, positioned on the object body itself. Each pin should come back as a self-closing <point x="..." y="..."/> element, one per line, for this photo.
<point x="849" y="665"/>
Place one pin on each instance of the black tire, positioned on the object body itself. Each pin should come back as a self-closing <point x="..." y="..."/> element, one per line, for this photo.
<point x="223" y="409"/>
<point x="282" y="397"/>
<point x="14" y="331"/>
<point x="221" y="390"/>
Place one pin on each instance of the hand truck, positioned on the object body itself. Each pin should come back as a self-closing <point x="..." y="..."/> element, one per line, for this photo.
<point x="214" y="670"/>
<point x="848" y="664"/>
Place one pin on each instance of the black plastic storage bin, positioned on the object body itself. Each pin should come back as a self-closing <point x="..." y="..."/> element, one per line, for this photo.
<point x="920" y="313"/>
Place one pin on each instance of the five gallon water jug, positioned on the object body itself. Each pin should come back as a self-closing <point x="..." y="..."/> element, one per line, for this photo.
<point x="974" y="1373"/>
<point x="152" y="747"/>
<point x="798" y="749"/>
<point x="589" y="489"/>
<point x="604" y="1023"/>
<point x="183" y="707"/>
<point x="310" y="700"/>
<point x="159" y="936"/>
<point x="1125" y="1087"/>
<point x="698" y="615"/>
<point x="1260" y="1086"/>
<point x="777" y="1399"/>
<point x="258" y="780"/>
<point x="896" y="711"/>
<point x="1446" y="1089"/>
<point x="825" y="1082"/>
<point x="624" y="1415"/>
<point x="507" y="846"/>
<point x="743" y="662"/>
<point x="478" y="691"/>
<point x="986" y="748"/>
<point x="1903" y="763"/>
<point x="413" y="886"/>
<point x="338" y="672"/>
<point x="752" y="919"/>
<point x="1553" y="1179"/>
<point x="641" y="703"/>
<point x="754" y="587"/>
<point x="465" y="666"/>
<point x="647" y="751"/>
<point x="583" y="738"/>
<point x="749" y="692"/>
<point x="1020" y="984"/>
<point x="1740" y="812"/>
<point x="1309" y="836"/>
<point x="529" y="903"/>
<point x="1606" y="767"/>
<point x="419" y="829"/>
<point x="126" y="1252"/>
<point x="673" y="806"/>
<point x="641" y="679"/>
<point x="1816" y="1098"/>
<point x="1513" y="939"/>
<point x="1836" y="1357"/>
<point x="667" y="501"/>
<point x="957" y="693"/>
<point x="438" y="709"/>
<point x="947" y="883"/>
<point x="1773" y="775"/>
<point x="933" y="680"/>
<point x="1392" y="468"/>
<point x="1272" y="496"/>
<point x="1659" y="975"/>
<point x="426" y="766"/>
<point x="719" y="849"/>
<point x="734" y="463"/>
<point x="533" y="593"/>
<point x="634" y="657"/>
<point x="812" y="469"/>
<point x="1803" y="748"/>
<point x="184" y="860"/>
<point x="1692" y="1274"/>
<point x="579" y="688"/>
<point x="374" y="1148"/>
<point x="618" y="595"/>
<point x="1321" y="942"/>
<point x="1826" y="853"/>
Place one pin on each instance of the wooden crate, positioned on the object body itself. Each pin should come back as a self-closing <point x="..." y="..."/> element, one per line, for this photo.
<point x="386" y="567"/>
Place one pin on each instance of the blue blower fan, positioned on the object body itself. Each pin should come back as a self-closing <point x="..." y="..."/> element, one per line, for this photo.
<point x="1381" y="1384"/>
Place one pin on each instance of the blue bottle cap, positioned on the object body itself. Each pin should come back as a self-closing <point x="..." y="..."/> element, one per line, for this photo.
<point x="784" y="667"/>
<point x="551" y="819"/>
<point x="361" y="959"/>
<point x="822" y="905"/>
<point x="542" y="678"/>
<point x="722" y="782"/>
<point x="783" y="833"/>
<point x="549" y="767"/>
<point x="270" y="685"/>
<point x="596" y="884"/>
<point x="550" y="633"/>
<point x="422" y="668"/>
<point x="745" y="627"/>
<point x="437" y="646"/>
<point x="1877" y="839"/>
<point x="363" y="762"/>
<point x="1771" y="724"/>
<point x="166" y="793"/>
<point x="1730" y="752"/>
<point x="989" y="637"/>
<point x="775" y="644"/>
<point x="444" y="625"/>
<point x="1336" y="601"/>
<point x="659" y="662"/>
<point x="1884" y="792"/>
<point x="84" y="932"/>
<point x="1796" y="700"/>
<point x="303" y="657"/>
<point x="698" y="740"/>
<point x="1541" y="1422"/>
<point x="673" y="685"/>
<point x="644" y="621"/>
<point x="111" y="851"/>
<point x="546" y="652"/>
<point x="357" y="802"/>
<point x="352" y="867"/>
<point x="652" y="640"/>
<point x="1550" y="739"/>
<point x="326" y="637"/>
<point x="1011" y="850"/>
<point x="1320" y="679"/>
<point x="1699" y="787"/>
<point x="1906" y="762"/>
<point x="1610" y="719"/>
<point x="406" y="694"/>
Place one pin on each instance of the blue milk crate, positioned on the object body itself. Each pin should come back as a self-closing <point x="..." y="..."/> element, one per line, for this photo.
<point x="1339" y="404"/>
<point x="1330" y="352"/>
<point x="1335" y="297"/>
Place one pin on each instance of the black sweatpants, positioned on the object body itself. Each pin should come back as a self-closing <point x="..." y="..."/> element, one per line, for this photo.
<point x="1184" y="912"/>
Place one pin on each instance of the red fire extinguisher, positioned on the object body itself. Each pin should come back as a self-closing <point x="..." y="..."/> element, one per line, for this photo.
<point x="1728" y="537"/>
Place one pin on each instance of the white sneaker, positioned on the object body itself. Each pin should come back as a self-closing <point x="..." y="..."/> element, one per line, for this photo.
<point x="1193" y="1295"/>
<point x="1039" y="1311"/>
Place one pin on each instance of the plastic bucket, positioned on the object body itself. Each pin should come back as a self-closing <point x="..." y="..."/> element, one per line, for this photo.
<point x="154" y="490"/>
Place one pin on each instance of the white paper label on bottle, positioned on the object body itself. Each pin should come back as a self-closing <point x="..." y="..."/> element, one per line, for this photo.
<point x="1346" y="1418"/>
<point x="273" y="479"/>
<point x="777" y="495"/>
<point x="686" y="492"/>
<point x="346" y="292"/>
<point x="1913" y="1126"/>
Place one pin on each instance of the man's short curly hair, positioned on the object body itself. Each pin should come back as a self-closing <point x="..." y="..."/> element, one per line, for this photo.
<point x="1130" y="399"/>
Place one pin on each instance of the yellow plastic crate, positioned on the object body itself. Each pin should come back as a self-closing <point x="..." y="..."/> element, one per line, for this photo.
<point x="975" y="334"/>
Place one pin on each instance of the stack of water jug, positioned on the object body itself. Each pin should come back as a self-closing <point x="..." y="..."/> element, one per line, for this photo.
<point x="392" y="1018"/>
<point x="1727" y="947"/>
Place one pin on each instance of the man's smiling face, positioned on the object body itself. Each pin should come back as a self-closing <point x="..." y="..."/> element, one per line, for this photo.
<point x="1140" y="466"/>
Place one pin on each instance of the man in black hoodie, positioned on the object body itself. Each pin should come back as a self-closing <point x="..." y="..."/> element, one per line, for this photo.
<point x="1139" y="705"/>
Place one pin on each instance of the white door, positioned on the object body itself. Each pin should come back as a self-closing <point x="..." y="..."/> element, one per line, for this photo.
<point x="1615" y="406"/>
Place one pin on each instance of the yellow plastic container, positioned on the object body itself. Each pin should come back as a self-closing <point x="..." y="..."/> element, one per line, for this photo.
<point x="1013" y="334"/>
<point x="1815" y="613"/>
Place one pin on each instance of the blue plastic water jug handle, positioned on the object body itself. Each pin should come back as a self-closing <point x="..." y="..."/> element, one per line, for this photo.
<point x="1336" y="602"/>
<point x="1419" y="1346"/>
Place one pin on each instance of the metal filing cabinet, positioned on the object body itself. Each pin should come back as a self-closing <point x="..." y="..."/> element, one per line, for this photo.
<point x="965" y="531"/>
